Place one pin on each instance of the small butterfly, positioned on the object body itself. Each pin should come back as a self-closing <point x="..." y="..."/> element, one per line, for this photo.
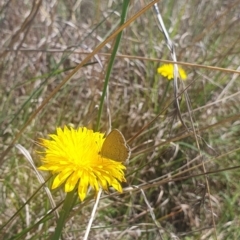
<point x="115" y="147"/>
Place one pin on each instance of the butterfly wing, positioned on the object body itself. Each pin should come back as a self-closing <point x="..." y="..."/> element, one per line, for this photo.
<point x="115" y="147"/>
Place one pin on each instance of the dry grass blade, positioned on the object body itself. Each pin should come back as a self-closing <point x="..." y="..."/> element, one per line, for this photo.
<point x="41" y="180"/>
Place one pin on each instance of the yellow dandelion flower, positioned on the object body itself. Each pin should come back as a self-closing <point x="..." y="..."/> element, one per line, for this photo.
<point x="167" y="70"/>
<point x="74" y="156"/>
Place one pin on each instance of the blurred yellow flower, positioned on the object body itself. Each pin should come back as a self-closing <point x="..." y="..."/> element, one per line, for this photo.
<point x="166" y="70"/>
<point x="74" y="156"/>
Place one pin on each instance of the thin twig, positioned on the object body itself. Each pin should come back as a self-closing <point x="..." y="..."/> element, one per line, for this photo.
<point x="92" y="215"/>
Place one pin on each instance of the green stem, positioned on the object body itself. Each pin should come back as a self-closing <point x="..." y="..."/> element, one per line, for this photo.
<point x="110" y="65"/>
<point x="70" y="198"/>
<point x="163" y="97"/>
<point x="67" y="207"/>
